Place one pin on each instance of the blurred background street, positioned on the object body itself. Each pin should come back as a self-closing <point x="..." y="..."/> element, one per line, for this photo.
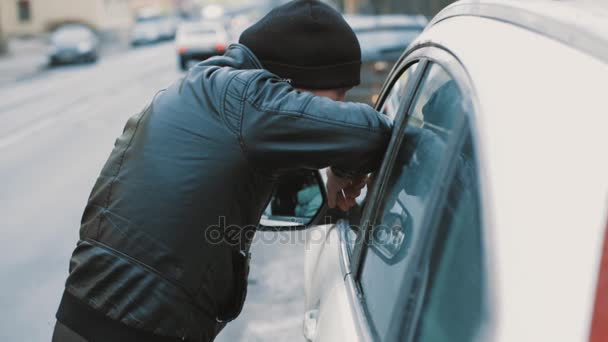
<point x="70" y="77"/>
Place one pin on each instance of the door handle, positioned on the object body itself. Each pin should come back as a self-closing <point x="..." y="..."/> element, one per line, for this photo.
<point x="310" y="325"/>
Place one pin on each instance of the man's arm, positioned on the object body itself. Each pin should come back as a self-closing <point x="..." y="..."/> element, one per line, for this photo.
<point x="282" y="128"/>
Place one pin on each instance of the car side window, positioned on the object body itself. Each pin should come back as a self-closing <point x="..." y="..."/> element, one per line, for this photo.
<point x="391" y="105"/>
<point x="436" y="108"/>
<point x="397" y="95"/>
<point x="453" y="306"/>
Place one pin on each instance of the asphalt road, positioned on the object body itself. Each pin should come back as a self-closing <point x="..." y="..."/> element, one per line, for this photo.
<point x="56" y="131"/>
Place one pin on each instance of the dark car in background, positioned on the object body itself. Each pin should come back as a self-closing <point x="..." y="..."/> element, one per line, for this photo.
<point x="73" y="44"/>
<point x="383" y="38"/>
<point x="196" y="41"/>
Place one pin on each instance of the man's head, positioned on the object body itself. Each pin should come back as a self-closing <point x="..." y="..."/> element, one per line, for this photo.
<point x="310" y="44"/>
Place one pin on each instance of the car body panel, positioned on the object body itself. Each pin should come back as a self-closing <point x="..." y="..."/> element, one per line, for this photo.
<point x="325" y="286"/>
<point x="322" y="269"/>
<point x="336" y="322"/>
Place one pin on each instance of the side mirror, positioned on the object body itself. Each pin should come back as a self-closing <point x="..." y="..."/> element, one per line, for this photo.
<point x="296" y="202"/>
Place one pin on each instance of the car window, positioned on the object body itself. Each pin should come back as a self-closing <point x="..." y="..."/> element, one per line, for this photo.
<point x="453" y="306"/>
<point x="397" y="95"/>
<point x="437" y="106"/>
<point x="393" y="102"/>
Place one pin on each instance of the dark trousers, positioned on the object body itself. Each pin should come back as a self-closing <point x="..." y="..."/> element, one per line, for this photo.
<point x="65" y="334"/>
<point x="77" y="322"/>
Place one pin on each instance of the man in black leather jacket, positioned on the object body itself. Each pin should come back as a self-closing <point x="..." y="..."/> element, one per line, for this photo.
<point x="206" y="152"/>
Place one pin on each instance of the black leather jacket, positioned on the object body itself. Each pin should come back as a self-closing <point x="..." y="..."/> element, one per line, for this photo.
<point x="207" y="149"/>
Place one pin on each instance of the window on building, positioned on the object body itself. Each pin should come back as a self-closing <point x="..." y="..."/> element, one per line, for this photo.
<point x="24" y="10"/>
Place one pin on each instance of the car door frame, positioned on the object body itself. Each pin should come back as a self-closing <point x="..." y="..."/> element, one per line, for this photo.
<point x="425" y="54"/>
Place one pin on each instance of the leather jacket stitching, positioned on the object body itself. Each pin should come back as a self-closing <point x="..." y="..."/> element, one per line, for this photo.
<point x="315" y="118"/>
<point x="121" y="161"/>
<point x="242" y="144"/>
<point x="225" y="94"/>
<point x="148" y="268"/>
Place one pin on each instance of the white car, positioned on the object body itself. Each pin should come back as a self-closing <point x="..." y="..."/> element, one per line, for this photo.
<point x="197" y="41"/>
<point x="487" y="219"/>
<point x="147" y="30"/>
<point x="153" y="28"/>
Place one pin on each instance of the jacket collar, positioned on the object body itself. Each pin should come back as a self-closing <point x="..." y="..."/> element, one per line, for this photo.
<point x="239" y="56"/>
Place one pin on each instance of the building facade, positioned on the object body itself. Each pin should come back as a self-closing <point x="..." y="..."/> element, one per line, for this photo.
<point x="34" y="17"/>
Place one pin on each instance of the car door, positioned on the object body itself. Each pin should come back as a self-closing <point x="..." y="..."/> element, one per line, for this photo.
<point x="328" y="312"/>
<point x="391" y="258"/>
<point x="419" y="273"/>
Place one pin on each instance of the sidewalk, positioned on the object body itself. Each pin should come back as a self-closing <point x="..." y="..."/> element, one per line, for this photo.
<point x="25" y="59"/>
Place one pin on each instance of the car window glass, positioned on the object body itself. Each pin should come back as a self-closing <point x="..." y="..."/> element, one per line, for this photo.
<point x="391" y="105"/>
<point x="397" y="94"/>
<point x="436" y="107"/>
<point x="453" y="306"/>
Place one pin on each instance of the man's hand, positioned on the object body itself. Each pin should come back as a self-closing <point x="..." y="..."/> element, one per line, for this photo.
<point x="342" y="192"/>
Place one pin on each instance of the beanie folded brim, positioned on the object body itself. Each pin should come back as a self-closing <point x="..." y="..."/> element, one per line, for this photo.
<point x="345" y="75"/>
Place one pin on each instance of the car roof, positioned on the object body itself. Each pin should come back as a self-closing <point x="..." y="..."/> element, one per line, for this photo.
<point x="72" y="27"/>
<point x="582" y="24"/>
<point x="360" y="22"/>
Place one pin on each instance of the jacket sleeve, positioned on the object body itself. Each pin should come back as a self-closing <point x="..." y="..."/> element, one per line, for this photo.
<point x="283" y="128"/>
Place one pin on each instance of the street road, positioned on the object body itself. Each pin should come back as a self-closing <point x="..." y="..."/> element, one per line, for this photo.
<point x="56" y="131"/>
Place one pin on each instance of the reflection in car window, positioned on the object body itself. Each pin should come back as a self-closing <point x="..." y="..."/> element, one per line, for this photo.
<point x="390" y="107"/>
<point x="414" y="175"/>
<point x="453" y="306"/>
<point x="396" y="96"/>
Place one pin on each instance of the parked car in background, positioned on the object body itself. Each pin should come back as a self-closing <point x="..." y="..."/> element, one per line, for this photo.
<point x="382" y="38"/>
<point x="196" y="41"/>
<point x="487" y="220"/>
<point x="73" y="44"/>
<point x="168" y="27"/>
<point x="149" y="29"/>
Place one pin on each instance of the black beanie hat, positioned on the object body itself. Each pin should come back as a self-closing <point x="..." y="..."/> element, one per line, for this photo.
<point x="308" y="43"/>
